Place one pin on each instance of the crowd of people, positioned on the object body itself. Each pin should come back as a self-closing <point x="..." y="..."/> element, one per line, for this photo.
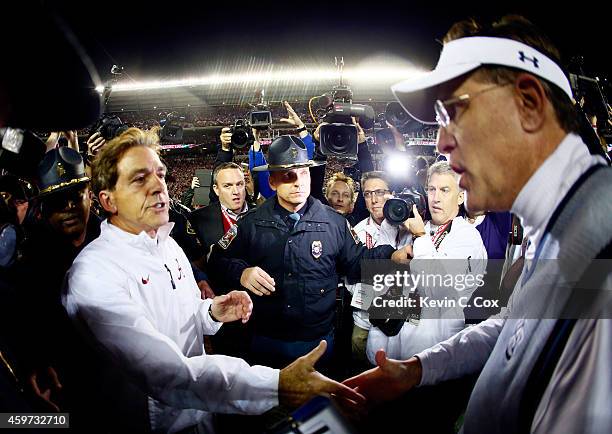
<point x="122" y="296"/>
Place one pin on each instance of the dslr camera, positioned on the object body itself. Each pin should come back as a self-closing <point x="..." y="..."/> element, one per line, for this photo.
<point x="399" y="208"/>
<point x="259" y="118"/>
<point x="109" y="127"/>
<point x="242" y="134"/>
<point x="339" y="135"/>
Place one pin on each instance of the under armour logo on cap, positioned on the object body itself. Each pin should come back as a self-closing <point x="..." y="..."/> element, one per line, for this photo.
<point x="522" y="58"/>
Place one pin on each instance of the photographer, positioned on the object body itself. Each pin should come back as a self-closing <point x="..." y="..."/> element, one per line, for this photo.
<point x="374" y="188"/>
<point x="437" y="248"/>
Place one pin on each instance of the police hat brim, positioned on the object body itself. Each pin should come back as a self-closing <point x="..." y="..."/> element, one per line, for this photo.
<point x="61" y="188"/>
<point x="284" y="167"/>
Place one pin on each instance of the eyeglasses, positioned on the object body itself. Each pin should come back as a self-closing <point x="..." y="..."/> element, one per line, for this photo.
<point x="446" y="110"/>
<point x="379" y="193"/>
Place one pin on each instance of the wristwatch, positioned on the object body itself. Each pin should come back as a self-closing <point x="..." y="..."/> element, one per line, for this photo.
<point x="211" y="314"/>
<point x="299" y="130"/>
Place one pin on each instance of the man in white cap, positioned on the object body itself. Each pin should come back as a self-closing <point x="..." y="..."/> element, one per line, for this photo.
<point x="502" y="101"/>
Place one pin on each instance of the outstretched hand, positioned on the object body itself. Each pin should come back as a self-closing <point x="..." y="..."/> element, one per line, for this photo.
<point x="300" y="382"/>
<point x="389" y="380"/>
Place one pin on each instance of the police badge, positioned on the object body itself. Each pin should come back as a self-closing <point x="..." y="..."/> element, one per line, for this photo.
<point x="316" y="249"/>
<point x="229" y="236"/>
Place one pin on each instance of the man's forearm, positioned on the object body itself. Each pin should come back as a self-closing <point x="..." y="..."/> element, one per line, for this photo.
<point x="471" y="346"/>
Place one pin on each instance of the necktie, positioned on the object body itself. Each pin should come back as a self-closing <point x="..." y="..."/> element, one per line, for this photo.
<point x="295" y="217"/>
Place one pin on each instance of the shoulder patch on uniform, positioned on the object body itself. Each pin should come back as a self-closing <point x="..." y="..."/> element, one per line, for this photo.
<point x="189" y="229"/>
<point x="229" y="236"/>
<point x="353" y="233"/>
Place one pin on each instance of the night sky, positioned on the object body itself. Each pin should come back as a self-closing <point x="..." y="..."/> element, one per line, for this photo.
<point x="178" y="39"/>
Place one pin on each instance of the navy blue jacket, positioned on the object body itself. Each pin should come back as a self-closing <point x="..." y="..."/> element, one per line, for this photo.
<point x="305" y="262"/>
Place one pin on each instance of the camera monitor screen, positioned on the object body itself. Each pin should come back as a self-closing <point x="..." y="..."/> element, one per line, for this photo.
<point x="260" y="118"/>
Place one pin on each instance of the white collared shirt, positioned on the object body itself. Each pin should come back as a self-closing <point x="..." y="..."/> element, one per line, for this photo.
<point x="367" y="227"/>
<point x="232" y="214"/>
<point x="138" y="297"/>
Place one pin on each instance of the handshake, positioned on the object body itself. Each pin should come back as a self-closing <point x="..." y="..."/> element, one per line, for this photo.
<point x="300" y="382"/>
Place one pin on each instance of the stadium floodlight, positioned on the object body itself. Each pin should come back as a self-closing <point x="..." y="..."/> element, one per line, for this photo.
<point x="267" y="78"/>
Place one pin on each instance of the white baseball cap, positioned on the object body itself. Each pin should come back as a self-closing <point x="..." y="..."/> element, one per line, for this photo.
<point x="417" y="96"/>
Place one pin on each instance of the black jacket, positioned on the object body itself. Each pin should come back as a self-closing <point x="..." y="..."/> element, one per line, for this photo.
<point x="305" y="262"/>
<point x="207" y="223"/>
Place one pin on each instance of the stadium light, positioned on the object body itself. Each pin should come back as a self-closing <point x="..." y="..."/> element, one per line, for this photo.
<point x="355" y="75"/>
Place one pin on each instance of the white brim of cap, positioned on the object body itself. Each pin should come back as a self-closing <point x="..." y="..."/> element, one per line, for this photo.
<point x="463" y="55"/>
<point x="418" y="95"/>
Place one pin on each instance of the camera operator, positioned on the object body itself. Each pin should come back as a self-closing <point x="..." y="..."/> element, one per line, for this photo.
<point x="71" y="138"/>
<point x="375" y="188"/>
<point x="437" y="247"/>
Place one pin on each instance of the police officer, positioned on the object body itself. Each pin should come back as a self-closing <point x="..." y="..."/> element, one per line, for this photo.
<point x="289" y="253"/>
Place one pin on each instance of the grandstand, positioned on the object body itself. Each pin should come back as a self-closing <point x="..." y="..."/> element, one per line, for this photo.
<point x="204" y="106"/>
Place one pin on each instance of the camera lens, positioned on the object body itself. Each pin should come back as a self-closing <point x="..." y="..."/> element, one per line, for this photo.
<point x="338" y="139"/>
<point x="239" y="139"/>
<point x="397" y="211"/>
